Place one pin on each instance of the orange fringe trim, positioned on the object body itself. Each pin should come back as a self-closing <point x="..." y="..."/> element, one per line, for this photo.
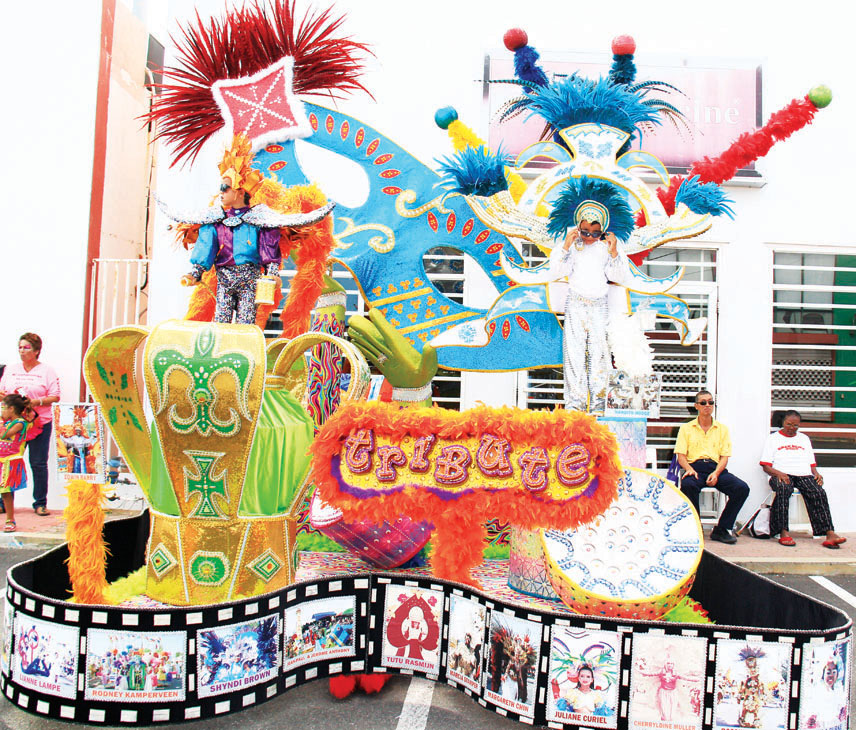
<point x="459" y="523"/>
<point x="87" y="552"/>
<point x="311" y="247"/>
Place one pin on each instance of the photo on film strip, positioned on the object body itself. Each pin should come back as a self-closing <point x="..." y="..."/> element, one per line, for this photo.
<point x="79" y="437"/>
<point x="584" y="675"/>
<point x="511" y="675"/>
<point x="412" y="628"/>
<point x="318" y="630"/>
<point x="239" y="655"/>
<point x="824" y="687"/>
<point x="752" y="682"/>
<point x="135" y="666"/>
<point x="6" y="650"/>
<point x="465" y="655"/>
<point x="667" y="682"/>
<point x="45" y="656"/>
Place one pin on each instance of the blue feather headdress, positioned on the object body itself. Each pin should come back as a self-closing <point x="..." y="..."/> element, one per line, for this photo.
<point x="704" y="198"/>
<point x="577" y="100"/>
<point x="475" y="171"/>
<point x="581" y="189"/>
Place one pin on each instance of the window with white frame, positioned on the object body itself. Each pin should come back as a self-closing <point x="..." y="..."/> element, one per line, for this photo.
<point x="444" y="267"/>
<point x="684" y="369"/>
<point x="814" y="349"/>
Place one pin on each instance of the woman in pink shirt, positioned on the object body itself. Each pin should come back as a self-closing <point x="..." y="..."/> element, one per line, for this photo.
<point x="40" y="384"/>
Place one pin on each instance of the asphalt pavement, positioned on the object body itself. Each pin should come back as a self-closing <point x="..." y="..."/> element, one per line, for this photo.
<point x="405" y="703"/>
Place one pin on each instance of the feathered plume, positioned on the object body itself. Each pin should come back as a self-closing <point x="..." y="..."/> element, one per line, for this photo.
<point x="526" y="66"/>
<point x="577" y="100"/>
<point x="623" y="69"/>
<point x="750" y="146"/>
<point x="240" y="44"/>
<point x="87" y="551"/>
<point x="704" y="198"/>
<point x="475" y="171"/>
<point x="579" y="189"/>
<point x="750" y="651"/>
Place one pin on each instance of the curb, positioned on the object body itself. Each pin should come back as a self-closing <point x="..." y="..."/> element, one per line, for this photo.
<point x="31" y="540"/>
<point x="798" y="566"/>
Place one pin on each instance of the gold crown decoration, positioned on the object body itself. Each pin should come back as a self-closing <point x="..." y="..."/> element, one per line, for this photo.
<point x="236" y="165"/>
<point x="225" y="467"/>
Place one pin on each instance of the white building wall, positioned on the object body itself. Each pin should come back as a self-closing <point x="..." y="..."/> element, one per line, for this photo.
<point x="430" y="55"/>
<point x="50" y="57"/>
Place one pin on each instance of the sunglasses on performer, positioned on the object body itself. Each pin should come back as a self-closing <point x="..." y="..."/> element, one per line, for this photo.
<point x="592" y="234"/>
<point x="225" y="187"/>
<point x="704" y="402"/>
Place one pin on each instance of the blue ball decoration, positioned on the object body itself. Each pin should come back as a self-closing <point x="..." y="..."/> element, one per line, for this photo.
<point x="445" y="116"/>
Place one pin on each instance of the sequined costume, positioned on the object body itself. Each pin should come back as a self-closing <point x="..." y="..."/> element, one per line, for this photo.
<point x="78" y="448"/>
<point x="237" y="251"/>
<point x="13" y="474"/>
<point x="586" y="353"/>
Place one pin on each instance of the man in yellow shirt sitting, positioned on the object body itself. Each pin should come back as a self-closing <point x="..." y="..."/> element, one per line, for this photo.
<point x="703" y="448"/>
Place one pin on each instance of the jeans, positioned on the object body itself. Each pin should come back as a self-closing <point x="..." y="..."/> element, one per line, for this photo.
<point x="39" y="448"/>
<point x="733" y="487"/>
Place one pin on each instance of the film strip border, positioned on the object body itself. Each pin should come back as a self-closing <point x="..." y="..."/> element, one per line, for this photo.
<point x="377" y="623"/>
<point x="632" y="639"/>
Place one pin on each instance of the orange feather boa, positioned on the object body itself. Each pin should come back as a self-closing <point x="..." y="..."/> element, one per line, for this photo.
<point x="87" y="551"/>
<point x="459" y="522"/>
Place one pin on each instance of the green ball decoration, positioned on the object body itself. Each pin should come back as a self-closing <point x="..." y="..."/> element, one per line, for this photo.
<point x="820" y="96"/>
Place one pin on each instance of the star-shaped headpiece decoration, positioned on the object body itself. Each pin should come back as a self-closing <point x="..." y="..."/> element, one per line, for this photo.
<point x="263" y="106"/>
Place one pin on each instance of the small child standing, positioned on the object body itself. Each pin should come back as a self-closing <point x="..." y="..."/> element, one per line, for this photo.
<point x="13" y="442"/>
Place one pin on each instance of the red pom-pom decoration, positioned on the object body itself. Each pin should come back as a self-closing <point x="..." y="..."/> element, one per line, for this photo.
<point x="515" y="38"/>
<point x="622" y="45"/>
<point x="371" y="683"/>
<point x="342" y="685"/>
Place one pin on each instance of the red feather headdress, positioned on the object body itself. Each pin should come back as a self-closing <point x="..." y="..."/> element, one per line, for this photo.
<point x="240" y="44"/>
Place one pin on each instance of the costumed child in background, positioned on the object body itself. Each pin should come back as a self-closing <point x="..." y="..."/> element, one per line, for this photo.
<point x="13" y="443"/>
<point x="590" y="257"/>
<point x="78" y="447"/>
<point x="239" y="239"/>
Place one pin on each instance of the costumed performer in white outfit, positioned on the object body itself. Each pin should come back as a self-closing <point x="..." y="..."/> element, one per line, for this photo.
<point x="592" y="215"/>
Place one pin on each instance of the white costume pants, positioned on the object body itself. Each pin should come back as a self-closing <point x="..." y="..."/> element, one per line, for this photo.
<point x="586" y="353"/>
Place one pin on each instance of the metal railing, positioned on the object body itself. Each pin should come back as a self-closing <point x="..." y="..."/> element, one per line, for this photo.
<point x="118" y="294"/>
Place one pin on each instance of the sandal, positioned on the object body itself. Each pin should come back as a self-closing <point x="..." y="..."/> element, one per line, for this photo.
<point x="788" y="541"/>
<point x="10" y="526"/>
<point x="41" y="511"/>
<point x="831" y="544"/>
<point x="840" y="540"/>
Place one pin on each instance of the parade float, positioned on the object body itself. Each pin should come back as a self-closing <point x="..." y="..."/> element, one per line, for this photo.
<point x="607" y="612"/>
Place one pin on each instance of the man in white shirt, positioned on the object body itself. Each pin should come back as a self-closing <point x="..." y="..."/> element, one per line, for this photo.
<point x="789" y="460"/>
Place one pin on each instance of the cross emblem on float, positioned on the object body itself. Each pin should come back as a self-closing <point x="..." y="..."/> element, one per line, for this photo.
<point x="206" y="484"/>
